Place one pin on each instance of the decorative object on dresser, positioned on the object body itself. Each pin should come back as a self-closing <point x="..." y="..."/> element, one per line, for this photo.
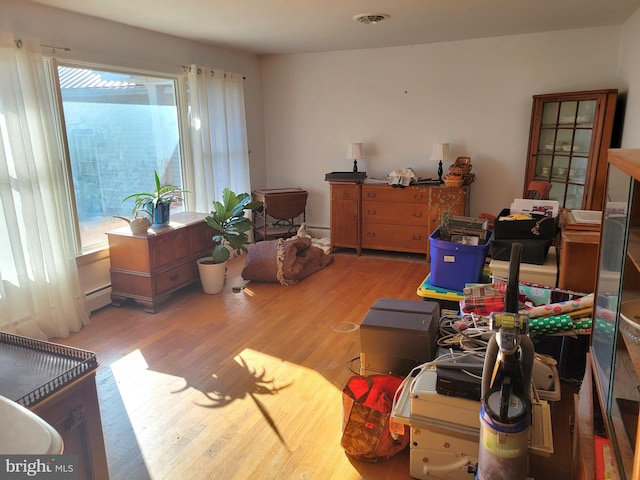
<point x="149" y="267"/>
<point x="381" y="217"/>
<point x="139" y="223"/>
<point x="440" y="153"/>
<point x="157" y="203"/>
<point x="231" y="227"/>
<point x="354" y="152"/>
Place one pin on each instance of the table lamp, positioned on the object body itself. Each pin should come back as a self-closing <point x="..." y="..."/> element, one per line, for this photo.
<point x="439" y="153"/>
<point x="354" y="152"/>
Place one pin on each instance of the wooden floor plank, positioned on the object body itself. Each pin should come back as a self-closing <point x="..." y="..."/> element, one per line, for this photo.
<point x="243" y="385"/>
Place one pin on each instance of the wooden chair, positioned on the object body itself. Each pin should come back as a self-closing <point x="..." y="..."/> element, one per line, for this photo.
<point x="538" y="190"/>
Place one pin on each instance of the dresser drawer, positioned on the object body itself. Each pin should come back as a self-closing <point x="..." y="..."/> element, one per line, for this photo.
<point x="395" y="213"/>
<point x="402" y="238"/>
<point x="174" y="278"/>
<point x="344" y="192"/>
<point x="386" y="194"/>
<point x="131" y="283"/>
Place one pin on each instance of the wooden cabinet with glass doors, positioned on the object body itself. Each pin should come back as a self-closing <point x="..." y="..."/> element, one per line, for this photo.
<point x="615" y="340"/>
<point x="568" y="142"/>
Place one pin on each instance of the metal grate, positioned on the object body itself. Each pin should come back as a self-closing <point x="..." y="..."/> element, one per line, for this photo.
<point x="369" y="19"/>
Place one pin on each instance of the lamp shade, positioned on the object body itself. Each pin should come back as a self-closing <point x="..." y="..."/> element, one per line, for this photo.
<point x="440" y="152"/>
<point x="354" y="151"/>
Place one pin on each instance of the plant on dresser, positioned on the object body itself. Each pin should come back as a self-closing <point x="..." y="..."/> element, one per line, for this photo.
<point x="231" y="225"/>
<point x="157" y="203"/>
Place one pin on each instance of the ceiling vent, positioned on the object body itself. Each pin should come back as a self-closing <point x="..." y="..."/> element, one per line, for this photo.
<point x="369" y="19"/>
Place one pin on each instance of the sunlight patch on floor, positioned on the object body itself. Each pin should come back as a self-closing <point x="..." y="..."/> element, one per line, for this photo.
<point x="256" y="396"/>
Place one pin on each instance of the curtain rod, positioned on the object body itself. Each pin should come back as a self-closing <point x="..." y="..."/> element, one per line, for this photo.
<point x="53" y="47"/>
<point x="187" y="67"/>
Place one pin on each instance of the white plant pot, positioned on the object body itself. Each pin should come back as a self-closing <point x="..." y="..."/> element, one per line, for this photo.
<point x="211" y="275"/>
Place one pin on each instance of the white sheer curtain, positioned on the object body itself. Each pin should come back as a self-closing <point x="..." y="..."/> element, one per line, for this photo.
<point x="218" y="136"/>
<point x="40" y="293"/>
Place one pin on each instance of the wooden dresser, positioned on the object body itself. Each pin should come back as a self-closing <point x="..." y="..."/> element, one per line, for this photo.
<point x="148" y="268"/>
<point x="381" y="217"/>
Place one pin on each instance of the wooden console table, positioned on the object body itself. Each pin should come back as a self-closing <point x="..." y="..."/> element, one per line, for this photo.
<point x="277" y="217"/>
<point x="149" y="267"/>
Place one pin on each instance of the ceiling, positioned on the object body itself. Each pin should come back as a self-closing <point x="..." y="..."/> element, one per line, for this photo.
<point x="303" y="26"/>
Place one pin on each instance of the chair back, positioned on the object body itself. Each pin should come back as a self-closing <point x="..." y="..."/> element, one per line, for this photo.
<point x="538" y="190"/>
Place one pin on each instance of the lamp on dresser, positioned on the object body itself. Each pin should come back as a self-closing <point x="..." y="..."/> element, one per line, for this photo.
<point x="440" y="153"/>
<point x="354" y="152"/>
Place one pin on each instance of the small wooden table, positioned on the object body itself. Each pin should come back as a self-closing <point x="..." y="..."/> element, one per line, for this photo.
<point x="58" y="384"/>
<point x="277" y="218"/>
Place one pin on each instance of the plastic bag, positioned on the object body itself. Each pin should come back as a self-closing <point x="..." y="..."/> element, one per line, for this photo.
<point x="368" y="431"/>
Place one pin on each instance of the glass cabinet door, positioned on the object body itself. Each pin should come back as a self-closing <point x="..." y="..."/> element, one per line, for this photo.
<point x="567" y="134"/>
<point x="615" y="342"/>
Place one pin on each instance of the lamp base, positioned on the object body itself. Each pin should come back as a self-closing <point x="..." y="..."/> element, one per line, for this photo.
<point x="355" y="165"/>
<point x="440" y="172"/>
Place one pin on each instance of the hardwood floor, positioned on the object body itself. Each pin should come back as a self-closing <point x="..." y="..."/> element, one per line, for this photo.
<point x="247" y="384"/>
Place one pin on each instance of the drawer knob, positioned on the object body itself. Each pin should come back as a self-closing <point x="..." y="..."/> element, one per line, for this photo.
<point x="345" y="195"/>
<point x="417" y="237"/>
<point x="371" y="212"/>
<point x="418" y="196"/>
<point x="371" y="194"/>
<point x="417" y="214"/>
<point x="371" y="234"/>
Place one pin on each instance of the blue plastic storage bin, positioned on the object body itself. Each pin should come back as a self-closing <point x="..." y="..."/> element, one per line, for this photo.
<point x="453" y="265"/>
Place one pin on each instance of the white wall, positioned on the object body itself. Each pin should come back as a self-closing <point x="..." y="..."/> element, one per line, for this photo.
<point x="97" y="41"/>
<point x="475" y="94"/>
<point x="630" y="80"/>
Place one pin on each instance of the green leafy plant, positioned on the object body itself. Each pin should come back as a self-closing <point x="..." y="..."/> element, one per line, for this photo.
<point x="230" y="223"/>
<point x="148" y="201"/>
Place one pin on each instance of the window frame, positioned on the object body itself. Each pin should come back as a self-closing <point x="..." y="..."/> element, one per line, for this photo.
<point x="183" y="130"/>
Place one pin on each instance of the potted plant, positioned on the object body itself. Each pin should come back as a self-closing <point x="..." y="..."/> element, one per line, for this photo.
<point x="157" y="203"/>
<point x="231" y="228"/>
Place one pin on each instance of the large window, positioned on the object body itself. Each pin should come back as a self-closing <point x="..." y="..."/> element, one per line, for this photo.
<point x="120" y="128"/>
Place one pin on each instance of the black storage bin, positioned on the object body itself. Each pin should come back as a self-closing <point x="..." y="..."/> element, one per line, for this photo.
<point x="536" y="229"/>
<point x="533" y="251"/>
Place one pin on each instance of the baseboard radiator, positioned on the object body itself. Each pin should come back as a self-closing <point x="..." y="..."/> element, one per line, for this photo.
<point x="98" y="298"/>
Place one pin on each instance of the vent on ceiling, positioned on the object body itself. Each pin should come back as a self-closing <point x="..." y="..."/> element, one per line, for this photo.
<point x="369" y="19"/>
